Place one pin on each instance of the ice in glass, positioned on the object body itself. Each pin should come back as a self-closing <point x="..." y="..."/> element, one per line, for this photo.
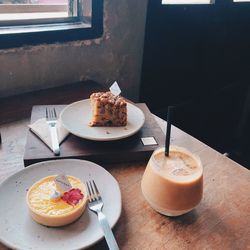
<point x="173" y="184"/>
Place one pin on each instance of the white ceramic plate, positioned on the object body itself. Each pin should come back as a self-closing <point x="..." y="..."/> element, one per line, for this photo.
<point x="19" y="231"/>
<point x="76" y="117"/>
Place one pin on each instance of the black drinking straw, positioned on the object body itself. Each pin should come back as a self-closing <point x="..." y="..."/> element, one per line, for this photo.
<point x="169" y="122"/>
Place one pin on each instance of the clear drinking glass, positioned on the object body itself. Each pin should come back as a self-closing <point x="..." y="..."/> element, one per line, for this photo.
<point x="173" y="185"/>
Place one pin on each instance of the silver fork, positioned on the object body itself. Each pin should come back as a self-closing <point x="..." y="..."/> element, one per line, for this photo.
<point x="52" y="120"/>
<point x="95" y="204"/>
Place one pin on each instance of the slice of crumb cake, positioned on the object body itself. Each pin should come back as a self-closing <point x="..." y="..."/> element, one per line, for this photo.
<point x="108" y="110"/>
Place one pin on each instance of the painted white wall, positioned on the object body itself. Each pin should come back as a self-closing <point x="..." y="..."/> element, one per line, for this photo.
<point x="117" y="55"/>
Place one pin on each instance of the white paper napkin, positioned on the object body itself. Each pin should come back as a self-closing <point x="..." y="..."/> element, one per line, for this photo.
<point x="41" y="129"/>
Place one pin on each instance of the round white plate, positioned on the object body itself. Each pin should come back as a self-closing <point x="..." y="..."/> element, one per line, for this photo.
<point x="19" y="231"/>
<point x="76" y="117"/>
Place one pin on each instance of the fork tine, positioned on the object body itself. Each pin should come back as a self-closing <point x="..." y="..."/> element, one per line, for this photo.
<point x="89" y="192"/>
<point x="47" y="116"/>
<point x="51" y="114"/>
<point x="54" y="112"/>
<point x="94" y="195"/>
<point x="93" y="192"/>
<point x="96" y="191"/>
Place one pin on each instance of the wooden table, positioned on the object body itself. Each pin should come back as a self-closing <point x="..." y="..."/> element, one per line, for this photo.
<point x="221" y="221"/>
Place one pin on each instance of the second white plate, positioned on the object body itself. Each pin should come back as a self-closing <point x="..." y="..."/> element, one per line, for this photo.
<point x="76" y="117"/>
<point x="19" y="231"/>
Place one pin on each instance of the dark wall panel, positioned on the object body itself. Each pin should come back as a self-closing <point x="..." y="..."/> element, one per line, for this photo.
<point x="197" y="57"/>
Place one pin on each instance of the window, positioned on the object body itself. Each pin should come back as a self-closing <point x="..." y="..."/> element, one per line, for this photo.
<point x="187" y="1"/>
<point x="27" y="22"/>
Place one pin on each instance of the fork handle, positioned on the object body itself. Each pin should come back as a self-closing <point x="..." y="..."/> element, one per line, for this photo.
<point x="108" y="234"/>
<point x="54" y="140"/>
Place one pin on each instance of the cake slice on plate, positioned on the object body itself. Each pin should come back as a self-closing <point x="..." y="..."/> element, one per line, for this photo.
<point x="108" y="110"/>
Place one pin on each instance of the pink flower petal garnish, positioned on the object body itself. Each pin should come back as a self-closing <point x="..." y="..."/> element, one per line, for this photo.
<point x="73" y="196"/>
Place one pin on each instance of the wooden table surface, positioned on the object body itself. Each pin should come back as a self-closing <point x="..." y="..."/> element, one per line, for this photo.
<point x="220" y="221"/>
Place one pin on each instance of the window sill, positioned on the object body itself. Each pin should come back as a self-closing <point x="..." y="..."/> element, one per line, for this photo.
<point x="43" y="28"/>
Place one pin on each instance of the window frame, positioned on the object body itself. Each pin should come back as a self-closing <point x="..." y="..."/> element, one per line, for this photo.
<point x="187" y="2"/>
<point x="75" y="28"/>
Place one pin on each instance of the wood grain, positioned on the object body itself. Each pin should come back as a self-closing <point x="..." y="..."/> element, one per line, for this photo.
<point x="220" y="221"/>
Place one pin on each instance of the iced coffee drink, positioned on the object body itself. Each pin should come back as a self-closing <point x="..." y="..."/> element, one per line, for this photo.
<point x="173" y="184"/>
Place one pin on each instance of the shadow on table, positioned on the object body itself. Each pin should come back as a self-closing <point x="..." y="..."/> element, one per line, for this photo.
<point x="186" y="219"/>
